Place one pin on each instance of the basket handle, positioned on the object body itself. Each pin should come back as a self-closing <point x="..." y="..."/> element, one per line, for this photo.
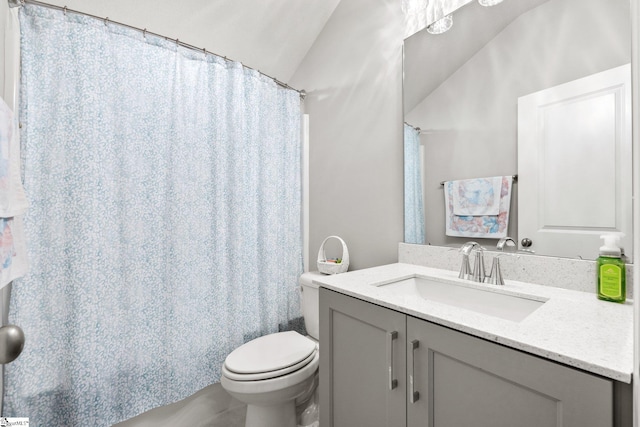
<point x="345" y="252"/>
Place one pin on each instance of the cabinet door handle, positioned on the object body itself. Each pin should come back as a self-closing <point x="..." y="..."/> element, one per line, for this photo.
<point x="414" y="395"/>
<point x="391" y="337"/>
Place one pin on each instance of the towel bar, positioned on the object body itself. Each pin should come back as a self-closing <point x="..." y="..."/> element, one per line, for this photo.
<point x="513" y="177"/>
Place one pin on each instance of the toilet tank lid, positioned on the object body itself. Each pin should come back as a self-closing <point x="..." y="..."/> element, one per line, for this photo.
<point x="269" y="353"/>
<point x="308" y="278"/>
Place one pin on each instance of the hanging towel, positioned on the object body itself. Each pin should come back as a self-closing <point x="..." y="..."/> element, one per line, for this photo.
<point x="13" y="203"/>
<point x="485" y="226"/>
<point x="13" y="251"/>
<point x="12" y="198"/>
<point x="477" y="197"/>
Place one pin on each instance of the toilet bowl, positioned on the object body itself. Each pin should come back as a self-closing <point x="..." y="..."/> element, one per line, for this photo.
<point x="270" y="372"/>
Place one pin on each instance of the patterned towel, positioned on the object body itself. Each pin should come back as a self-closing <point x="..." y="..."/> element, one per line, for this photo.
<point x="13" y="203"/>
<point x="477" y="197"/>
<point x="13" y="250"/>
<point x="485" y="226"/>
<point x="12" y="199"/>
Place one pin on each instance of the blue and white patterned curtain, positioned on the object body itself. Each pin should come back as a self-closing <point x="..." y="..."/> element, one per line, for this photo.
<point x="413" y="204"/>
<point x="164" y="227"/>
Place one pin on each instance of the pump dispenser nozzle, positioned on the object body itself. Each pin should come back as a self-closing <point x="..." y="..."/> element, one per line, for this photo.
<point x="611" y="245"/>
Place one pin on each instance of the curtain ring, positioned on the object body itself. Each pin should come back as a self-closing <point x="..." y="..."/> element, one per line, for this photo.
<point x="64" y="10"/>
<point x="177" y="42"/>
<point x="204" y="50"/>
<point x="106" y="21"/>
<point x="144" y="33"/>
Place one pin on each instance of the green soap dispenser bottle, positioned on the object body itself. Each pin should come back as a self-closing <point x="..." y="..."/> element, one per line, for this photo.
<point x="611" y="270"/>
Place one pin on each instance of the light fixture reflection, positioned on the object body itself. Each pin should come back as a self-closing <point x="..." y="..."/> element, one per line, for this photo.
<point x="441" y="25"/>
<point x="488" y="3"/>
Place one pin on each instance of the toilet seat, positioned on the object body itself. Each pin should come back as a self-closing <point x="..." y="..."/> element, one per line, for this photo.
<point x="269" y="356"/>
<point x="277" y="384"/>
<point x="268" y="375"/>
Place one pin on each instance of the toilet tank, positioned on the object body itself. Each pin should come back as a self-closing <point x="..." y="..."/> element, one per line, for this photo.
<point x="310" y="302"/>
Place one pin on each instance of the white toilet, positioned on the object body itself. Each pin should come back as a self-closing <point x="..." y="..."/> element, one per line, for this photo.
<point x="269" y="373"/>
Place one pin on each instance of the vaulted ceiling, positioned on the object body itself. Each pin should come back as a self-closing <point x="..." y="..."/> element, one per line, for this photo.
<point x="270" y="35"/>
<point x="274" y="36"/>
<point x="431" y="59"/>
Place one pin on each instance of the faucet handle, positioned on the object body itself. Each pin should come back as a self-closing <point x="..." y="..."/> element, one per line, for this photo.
<point x="478" y="266"/>
<point x="465" y="268"/>
<point x="495" y="276"/>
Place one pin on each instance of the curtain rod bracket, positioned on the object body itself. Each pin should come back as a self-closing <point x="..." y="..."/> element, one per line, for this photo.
<point x="16" y="3"/>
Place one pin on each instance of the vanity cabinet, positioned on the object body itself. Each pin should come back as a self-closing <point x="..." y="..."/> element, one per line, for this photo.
<point x="363" y="366"/>
<point x="379" y="367"/>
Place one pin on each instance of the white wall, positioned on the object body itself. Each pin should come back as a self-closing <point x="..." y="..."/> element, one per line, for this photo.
<point x="353" y="77"/>
<point x="473" y="114"/>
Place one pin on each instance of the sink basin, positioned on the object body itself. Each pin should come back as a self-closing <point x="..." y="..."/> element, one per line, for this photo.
<point x="492" y="303"/>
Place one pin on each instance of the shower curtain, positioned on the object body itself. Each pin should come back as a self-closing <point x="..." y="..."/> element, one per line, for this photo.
<point x="164" y="227"/>
<point x="413" y="204"/>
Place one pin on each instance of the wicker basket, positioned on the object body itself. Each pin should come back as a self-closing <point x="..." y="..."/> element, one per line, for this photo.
<point x="328" y="267"/>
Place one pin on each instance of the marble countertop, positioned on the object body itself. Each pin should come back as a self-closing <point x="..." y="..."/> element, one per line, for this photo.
<point x="571" y="327"/>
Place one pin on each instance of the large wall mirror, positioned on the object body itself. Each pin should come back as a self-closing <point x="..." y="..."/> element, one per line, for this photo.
<point x="536" y="90"/>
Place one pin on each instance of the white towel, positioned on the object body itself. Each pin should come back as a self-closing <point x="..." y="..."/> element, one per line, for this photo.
<point x="13" y="201"/>
<point x="485" y="226"/>
<point x="477" y="197"/>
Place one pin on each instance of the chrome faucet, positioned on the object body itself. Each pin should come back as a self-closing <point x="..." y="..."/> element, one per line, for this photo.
<point x="465" y="267"/>
<point x="503" y="242"/>
<point x="478" y="269"/>
<point x="495" y="277"/>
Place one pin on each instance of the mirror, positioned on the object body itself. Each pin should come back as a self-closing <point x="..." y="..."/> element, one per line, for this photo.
<point x="462" y="87"/>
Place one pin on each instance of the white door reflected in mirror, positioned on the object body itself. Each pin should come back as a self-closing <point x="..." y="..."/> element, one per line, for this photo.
<point x="574" y="164"/>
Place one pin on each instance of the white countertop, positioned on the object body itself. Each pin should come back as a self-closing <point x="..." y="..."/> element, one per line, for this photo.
<point x="572" y="327"/>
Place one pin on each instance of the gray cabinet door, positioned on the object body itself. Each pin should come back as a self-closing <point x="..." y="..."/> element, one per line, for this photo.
<point x="362" y="359"/>
<point x="465" y="381"/>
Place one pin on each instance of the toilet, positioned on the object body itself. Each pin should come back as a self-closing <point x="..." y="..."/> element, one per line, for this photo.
<point x="270" y="372"/>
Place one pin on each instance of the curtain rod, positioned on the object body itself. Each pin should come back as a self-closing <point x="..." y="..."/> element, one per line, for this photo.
<point x="65" y="9"/>
<point x="415" y="127"/>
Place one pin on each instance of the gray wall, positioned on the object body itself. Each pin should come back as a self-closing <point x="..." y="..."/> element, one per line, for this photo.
<point x="473" y="114"/>
<point x="353" y="77"/>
